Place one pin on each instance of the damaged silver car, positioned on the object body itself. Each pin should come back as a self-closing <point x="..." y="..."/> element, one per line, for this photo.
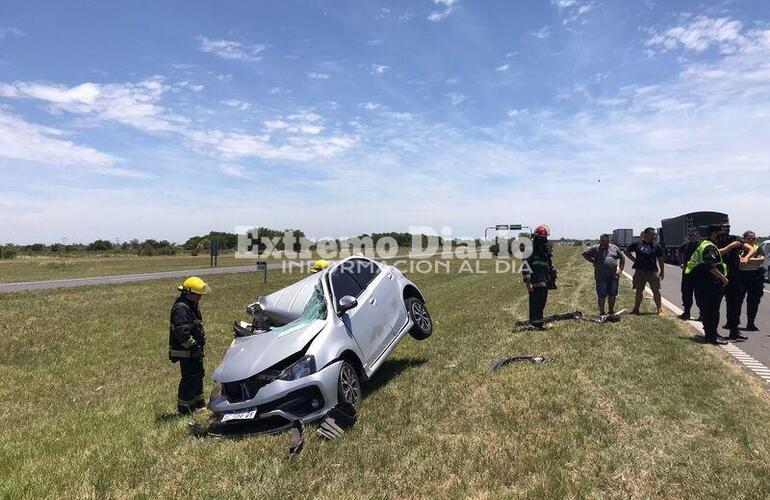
<point x="312" y="344"/>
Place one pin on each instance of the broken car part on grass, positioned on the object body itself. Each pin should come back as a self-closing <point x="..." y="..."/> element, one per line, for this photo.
<point x="311" y="345"/>
<point x="505" y="361"/>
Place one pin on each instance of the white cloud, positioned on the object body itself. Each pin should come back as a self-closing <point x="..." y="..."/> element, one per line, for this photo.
<point x="449" y="6"/>
<point x="229" y="49"/>
<point x="237" y="104"/>
<point x="134" y="104"/>
<point x="20" y="140"/>
<point x="318" y="76"/>
<point x="542" y="33"/>
<point x="456" y="99"/>
<point x="701" y="33"/>
<point x="379" y="69"/>
<point x="9" y="31"/>
<point x="233" y="170"/>
<point x="225" y="78"/>
<point x="195" y="87"/>
<point x="503" y="67"/>
<point x="572" y="10"/>
<point x="370" y="106"/>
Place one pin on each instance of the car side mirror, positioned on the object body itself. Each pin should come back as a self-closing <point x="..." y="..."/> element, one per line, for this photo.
<point x="346" y="303"/>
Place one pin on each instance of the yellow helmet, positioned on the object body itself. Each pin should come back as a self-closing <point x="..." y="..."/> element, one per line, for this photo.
<point x="194" y="285"/>
<point x="320" y="265"/>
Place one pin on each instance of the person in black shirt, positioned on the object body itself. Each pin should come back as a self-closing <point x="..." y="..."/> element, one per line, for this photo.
<point x="731" y="247"/>
<point x="648" y="260"/>
<point x="709" y="281"/>
<point x="538" y="275"/>
<point x="685" y="252"/>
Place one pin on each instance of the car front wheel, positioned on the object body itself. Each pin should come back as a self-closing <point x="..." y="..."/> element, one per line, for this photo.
<point x="348" y="386"/>
<point x="422" y="323"/>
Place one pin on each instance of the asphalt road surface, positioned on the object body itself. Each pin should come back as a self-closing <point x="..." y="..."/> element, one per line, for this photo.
<point x="758" y="344"/>
<point x="128" y="278"/>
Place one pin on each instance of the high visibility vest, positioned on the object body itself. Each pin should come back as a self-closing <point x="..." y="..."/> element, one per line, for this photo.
<point x="697" y="258"/>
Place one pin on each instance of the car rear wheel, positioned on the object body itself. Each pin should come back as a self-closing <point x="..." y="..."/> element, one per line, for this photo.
<point x="349" y="386"/>
<point x="422" y="327"/>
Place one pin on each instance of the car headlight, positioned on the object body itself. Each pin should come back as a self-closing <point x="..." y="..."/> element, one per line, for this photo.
<point x="302" y="368"/>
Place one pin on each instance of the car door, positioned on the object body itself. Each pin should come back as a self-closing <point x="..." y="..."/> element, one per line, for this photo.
<point x="379" y="288"/>
<point x="388" y="295"/>
<point x="364" y="321"/>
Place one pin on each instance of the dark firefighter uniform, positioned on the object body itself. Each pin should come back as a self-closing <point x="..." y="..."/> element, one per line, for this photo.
<point x="708" y="288"/>
<point x="186" y="339"/>
<point x="540" y="276"/>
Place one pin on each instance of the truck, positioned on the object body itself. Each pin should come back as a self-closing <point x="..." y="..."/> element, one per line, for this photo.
<point x="623" y="237"/>
<point x="674" y="231"/>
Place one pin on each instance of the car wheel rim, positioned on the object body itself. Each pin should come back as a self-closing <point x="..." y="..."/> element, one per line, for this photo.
<point x="420" y="316"/>
<point x="349" y="385"/>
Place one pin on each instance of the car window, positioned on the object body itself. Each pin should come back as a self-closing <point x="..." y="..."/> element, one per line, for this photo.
<point x="344" y="284"/>
<point x="362" y="270"/>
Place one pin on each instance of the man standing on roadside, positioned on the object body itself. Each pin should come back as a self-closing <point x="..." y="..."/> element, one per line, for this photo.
<point x="709" y="275"/>
<point x="684" y="254"/>
<point x="538" y="275"/>
<point x="608" y="263"/>
<point x="752" y="279"/>
<point x="649" y="267"/>
<point x="731" y="247"/>
<point x="186" y="339"/>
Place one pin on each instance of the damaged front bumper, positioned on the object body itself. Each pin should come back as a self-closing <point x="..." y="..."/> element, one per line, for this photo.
<point x="278" y="404"/>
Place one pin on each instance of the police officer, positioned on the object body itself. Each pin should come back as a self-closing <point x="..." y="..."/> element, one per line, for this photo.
<point x="186" y="339"/>
<point x="538" y="275"/>
<point x="684" y="254"/>
<point x="731" y="247"/>
<point x="710" y="276"/>
<point x="752" y="279"/>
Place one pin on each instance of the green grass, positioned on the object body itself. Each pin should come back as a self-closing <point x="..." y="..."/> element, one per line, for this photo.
<point x="634" y="409"/>
<point x="23" y="269"/>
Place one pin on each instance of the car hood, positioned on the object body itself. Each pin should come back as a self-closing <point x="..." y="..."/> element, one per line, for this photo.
<point x="250" y="355"/>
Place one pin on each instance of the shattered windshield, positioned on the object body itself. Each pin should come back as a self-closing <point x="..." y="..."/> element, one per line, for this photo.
<point x="315" y="309"/>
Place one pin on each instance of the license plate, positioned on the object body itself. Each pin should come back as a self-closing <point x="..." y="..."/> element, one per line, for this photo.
<point x="242" y="415"/>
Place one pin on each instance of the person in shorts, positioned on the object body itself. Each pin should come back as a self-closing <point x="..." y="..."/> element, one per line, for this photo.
<point x="608" y="263"/>
<point x="649" y="267"/>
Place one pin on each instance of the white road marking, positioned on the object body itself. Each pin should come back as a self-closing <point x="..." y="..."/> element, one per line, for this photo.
<point x="745" y="359"/>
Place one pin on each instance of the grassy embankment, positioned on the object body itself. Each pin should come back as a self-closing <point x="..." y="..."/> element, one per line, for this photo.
<point x="634" y="409"/>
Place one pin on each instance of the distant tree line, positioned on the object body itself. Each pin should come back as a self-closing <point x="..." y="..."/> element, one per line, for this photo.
<point x="228" y="242"/>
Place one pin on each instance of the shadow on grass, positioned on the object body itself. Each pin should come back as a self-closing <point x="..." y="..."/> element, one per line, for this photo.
<point x="389" y="370"/>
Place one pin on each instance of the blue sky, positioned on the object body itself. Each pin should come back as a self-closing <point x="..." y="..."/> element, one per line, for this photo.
<point x="167" y="119"/>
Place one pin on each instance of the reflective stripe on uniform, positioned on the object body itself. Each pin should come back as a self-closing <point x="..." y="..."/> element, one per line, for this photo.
<point x="188" y="343"/>
<point x="178" y="354"/>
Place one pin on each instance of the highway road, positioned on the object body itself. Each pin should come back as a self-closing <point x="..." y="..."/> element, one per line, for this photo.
<point x="758" y="343"/>
<point x="128" y="278"/>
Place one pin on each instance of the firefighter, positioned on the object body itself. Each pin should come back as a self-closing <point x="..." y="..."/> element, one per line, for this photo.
<point x="538" y="275"/>
<point x="752" y="279"/>
<point x="710" y="277"/>
<point x="186" y="339"/>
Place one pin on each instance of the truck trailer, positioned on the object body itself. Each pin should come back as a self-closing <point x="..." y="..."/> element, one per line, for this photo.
<point x="623" y="237"/>
<point x="674" y="231"/>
